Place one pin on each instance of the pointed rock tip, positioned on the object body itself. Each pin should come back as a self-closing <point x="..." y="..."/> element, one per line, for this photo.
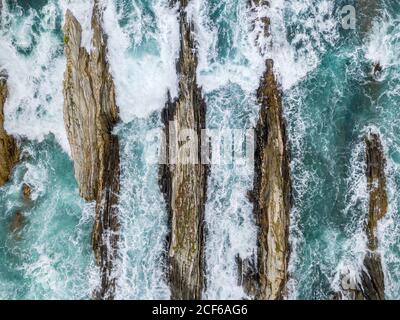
<point x="69" y="17"/>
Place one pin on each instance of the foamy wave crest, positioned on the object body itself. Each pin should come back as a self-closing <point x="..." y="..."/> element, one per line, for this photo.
<point x="35" y="65"/>
<point x="243" y="64"/>
<point x="143" y="49"/>
<point x="383" y="43"/>
<point x="352" y="251"/>
<point x="140" y="266"/>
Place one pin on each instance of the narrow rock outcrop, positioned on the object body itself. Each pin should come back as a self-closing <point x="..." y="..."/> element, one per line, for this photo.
<point x="9" y="151"/>
<point x="90" y="114"/>
<point x="271" y="194"/>
<point x="372" y="278"/>
<point x="183" y="178"/>
<point x="371" y="285"/>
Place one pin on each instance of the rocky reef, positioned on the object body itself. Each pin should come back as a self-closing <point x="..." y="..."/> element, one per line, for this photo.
<point x="372" y="278"/>
<point x="183" y="179"/>
<point x="371" y="284"/>
<point x="90" y="114"/>
<point x="9" y="151"/>
<point x="266" y="278"/>
<point x="271" y="194"/>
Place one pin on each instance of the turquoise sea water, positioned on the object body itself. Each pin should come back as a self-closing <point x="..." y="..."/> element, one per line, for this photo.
<point x="329" y="112"/>
<point x="331" y="100"/>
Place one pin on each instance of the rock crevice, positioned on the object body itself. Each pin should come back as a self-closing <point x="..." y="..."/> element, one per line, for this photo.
<point x="90" y="114"/>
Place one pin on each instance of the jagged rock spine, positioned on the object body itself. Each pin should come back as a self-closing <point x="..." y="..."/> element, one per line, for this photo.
<point x="184" y="184"/>
<point x="372" y="277"/>
<point x="9" y="151"/>
<point x="90" y="114"/>
<point x="271" y="194"/>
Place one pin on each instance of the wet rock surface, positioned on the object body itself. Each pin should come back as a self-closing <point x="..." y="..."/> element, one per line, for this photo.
<point x="9" y="151"/>
<point x="183" y="179"/>
<point x="271" y="194"/>
<point x="90" y="114"/>
<point x="371" y="285"/>
<point x="372" y="278"/>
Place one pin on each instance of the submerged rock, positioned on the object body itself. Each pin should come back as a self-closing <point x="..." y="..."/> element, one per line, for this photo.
<point x="19" y="218"/>
<point x="90" y="114"/>
<point x="247" y="275"/>
<point x="271" y="194"/>
<point x="9" y="151"/>
<point x="183" y="178"/>
<point x="26" y="192"/>
<point x="377" y="70"/>
<point x="17" y="222"/>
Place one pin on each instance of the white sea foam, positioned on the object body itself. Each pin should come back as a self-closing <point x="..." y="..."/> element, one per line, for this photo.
<point x="388" y="228"/>
<point x="142" y="76"/>
<point x="34" y="106"/>
<point x="301" y="31"/>
<point x="142" y="51"/>
<point x="227" y="79"/>
<point x="354" y="247"/>
<point x="82" y="11"/>
<point x="382" y="45"/>
<point x="140" y="264"/>
<point x="303" y="179"/>
<point x="388" y="235"/>
<point x="314" y="27"/>
<point x="243" y="68"/>
<point x="52" y="248"/>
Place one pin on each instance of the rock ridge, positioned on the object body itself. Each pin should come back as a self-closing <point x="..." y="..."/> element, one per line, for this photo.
<point x="90" y="115"/>
<point x="183" y="178"/>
